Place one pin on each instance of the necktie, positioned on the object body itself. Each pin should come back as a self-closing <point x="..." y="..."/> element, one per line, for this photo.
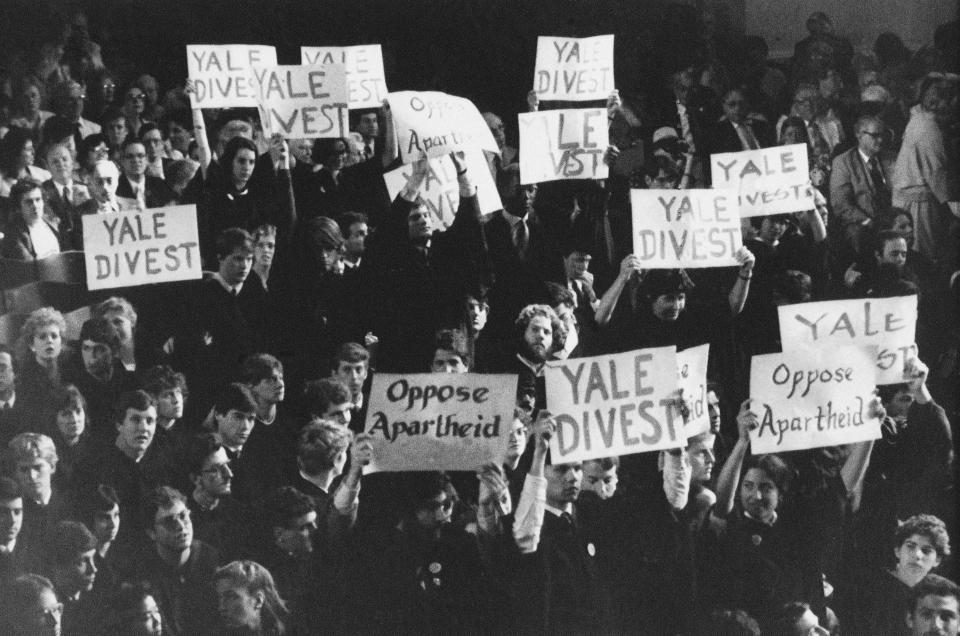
<point x="66" y="193"/>
<point x="368" y="151"/>
<point x="747" y="135"/>
<point x="817" y="142"/>
<point x="879" y="182"/>
<point x="520" y="237"/>
<point x="567" y="520"/>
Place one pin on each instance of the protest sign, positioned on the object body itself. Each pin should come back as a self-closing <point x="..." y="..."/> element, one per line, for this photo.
<point x="563" y="144"/>
<point x="439" y="421"/>
<point x="685" y="228"/>
<point x="813" y="398"/>
<point x="692" y="380"/>
<point x="889" y="323"/>
<point x="574" y="69"/>
<point x="366" y="81"/>
<point x="122" y="249"/>
<point x="302" y="102"/>
<point x="431" y="124"/>
<point x="221" y="73"/>
<point x="769" y="180"/>
<point x="440" y="189"/>
<point x="615" y="404"/>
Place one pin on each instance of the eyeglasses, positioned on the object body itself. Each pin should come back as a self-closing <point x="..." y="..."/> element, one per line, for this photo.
<point x="175" y="522"/>
<point x="446" y="505"/>
<point x="136" y="98"/>
<point x="872" y="134"/>
<point x="138" y="155"/>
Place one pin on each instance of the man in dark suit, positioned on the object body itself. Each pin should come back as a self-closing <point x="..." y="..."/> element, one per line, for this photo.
<point x="519" y="254"/>
<point x="12" y="416"/>
<point x="136" y="184"/>
<point x="859" y="186"/>
<point x="735" y="131"/>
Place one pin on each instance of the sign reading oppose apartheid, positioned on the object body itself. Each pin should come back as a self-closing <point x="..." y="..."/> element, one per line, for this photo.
<point x="439" y="421"/>
<point x="440" y="190"/>
<point x="160" y="245"/>
<point x="221" y="73"/>
<point x="302" y="102"/>
<point x="769" y="180"/>
<point x="813" y="398"/>
<point x="563" y="144"/>
<point x="573" y="69"/>
<point x="692" y="380"/>
<point x="889" y="323"/>
<point x="366" y="81"/>
<point x="614" y="404"/>
<point x="685" y="228"/>
<point x="431" y="124"/>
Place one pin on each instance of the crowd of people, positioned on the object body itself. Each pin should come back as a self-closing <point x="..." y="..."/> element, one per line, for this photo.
<point x="192" y="461"/>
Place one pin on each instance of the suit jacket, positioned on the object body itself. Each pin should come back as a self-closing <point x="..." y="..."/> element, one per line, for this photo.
<point x="724" y="137"/>
<point x="157" y="195"/>
<point x="17" y="243"/>
<point x="853" y="194"/>
<point x="68" y="212"/>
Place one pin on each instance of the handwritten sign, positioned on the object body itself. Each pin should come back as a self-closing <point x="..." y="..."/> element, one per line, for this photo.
<point x="692" y="379"/>
<point x="366" y="81"/>
<point x="563" y="144"/>
<point x="813" y="398"/>
<point x="432" y="124"/>
<point x="302" y="102"/>
<point x="439" y="421"/>
<point x="159" y="245"/>
<point x="889" y="323"/>
<point x="221" y="73"/>
<point x="441" y="190"/>
<point x="685" y="228"/>
<point x="614" y="404"/>
<point x="769" y="180"/>
<point x="573" y="69"/>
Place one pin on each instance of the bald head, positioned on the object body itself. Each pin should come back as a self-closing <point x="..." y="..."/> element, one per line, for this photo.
<point x="106" y="176"/>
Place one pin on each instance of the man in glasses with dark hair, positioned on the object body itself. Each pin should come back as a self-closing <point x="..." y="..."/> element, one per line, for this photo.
<point x="215" y="513"/>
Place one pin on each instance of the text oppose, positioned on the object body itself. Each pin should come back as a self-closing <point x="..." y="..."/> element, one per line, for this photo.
<point x="221" y="73"/>
<point x="563" y="144"/>
<point x="813" y="398"/>
<point x="432" y="124"/>
<point x="888" y="323"/>
<point x="685" y="228"/>
<point x="439" y="421"/>
<point x="123" y="249"/>
<point x="614" y="404"/>
<point x="302" y="102"/>
<point x="769" y="180"/>
<point x="574" y="69"/>
<point x="366" y="81"/>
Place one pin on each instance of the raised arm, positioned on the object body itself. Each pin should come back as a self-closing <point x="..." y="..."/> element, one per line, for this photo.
<point x="199" y="132"/>
<point x="345" y="498"/>
<point x="729" y="479"/>
<point x="738" y="293"/>
<point x="390" y="151"/>
<point x="608" y="302"/>
<point x="533" y="499"/>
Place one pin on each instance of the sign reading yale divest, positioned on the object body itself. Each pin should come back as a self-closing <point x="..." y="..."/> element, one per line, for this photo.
<point x="439" y="421"/>
<point x="159" y="245"/>
<point x="768" y="180"/>
<point x="614" y="404"/>
<point x="221" y="73"/>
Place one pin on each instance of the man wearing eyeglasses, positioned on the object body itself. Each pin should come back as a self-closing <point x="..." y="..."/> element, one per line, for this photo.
<point x="68" y="100"/>
<point x="215" y="513"/>
<point x="179" y="569"/>
<point x="859" y="186"/>
<point x="135" y="183"/>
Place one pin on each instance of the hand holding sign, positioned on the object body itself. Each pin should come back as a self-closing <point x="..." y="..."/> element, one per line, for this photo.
<point x="915" y="372"/>
<point x="747" y="420"/>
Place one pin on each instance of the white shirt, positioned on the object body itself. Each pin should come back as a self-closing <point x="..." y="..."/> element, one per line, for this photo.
<point x="45" y="242"/>
<point x="223" y="283"/>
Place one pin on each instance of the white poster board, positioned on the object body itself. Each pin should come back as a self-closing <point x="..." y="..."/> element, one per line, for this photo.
<point x="432" y="124"/>
<point x="574" y="69"/>
<point x="692" y="379"/>
<point x="563" y="144"/>
<point x="769" y="180"/>
<point x="302" y="102"/>
<point x="221" y="73"/>
<point x="366" y="81"/>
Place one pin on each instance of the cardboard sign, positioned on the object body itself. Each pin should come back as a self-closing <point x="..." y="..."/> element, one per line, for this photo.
<point x="441" y="191"/>
<point x="563" y="144"/>
<point x="302" y="102"/>
<point x="685" y="228"/>
<point x="432" y="124"/>
<point x="439" y="421"/>
<point x="366" y="81"/>
<point x="813" y="398"/>
<point x="574" y="69"/>
<point x="615" y="404"/>
<point x="221" y="73"/>
<point x="889" y="323"/>
<point x="769" y="180"/>
<point x="692" y="379"/>
<point x="159" y="245"/>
